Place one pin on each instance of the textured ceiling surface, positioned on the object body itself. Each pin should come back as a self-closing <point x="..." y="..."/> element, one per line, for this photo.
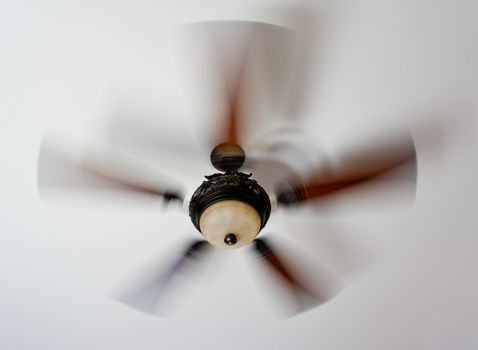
<point x="408" y="273"/>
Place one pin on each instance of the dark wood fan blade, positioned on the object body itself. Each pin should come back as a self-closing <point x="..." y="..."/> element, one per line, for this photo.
<point x="364" y="166"/>
<point x="239" y="70"/>
<point x="59" y="170"/>
<point x="229" y="131"/>
<point x="300" y="291"/>
<point x="147" y="296"/>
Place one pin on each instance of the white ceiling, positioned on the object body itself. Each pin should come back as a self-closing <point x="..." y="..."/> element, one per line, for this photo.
<point x="409" y="273"/>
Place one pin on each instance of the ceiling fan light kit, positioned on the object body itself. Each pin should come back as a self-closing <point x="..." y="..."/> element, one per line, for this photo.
<point x="230" y="208"/>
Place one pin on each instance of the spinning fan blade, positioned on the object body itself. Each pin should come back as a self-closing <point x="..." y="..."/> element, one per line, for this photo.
<point x="393" y="160"/>
<point x="147" y="297"/>
<point x="238" y="75"/>
<point x="228" y="132"/>
<point x="97" y="173"/>
<point x="143" y="131"/>
<point x="304" y="297"/>
<point x="281" y="155"/>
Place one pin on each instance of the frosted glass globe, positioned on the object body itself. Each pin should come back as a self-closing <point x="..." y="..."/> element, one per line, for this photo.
<point x="230" y="217"/>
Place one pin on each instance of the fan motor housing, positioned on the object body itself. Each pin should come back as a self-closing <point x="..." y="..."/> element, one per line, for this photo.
<point x="229" y="202"/>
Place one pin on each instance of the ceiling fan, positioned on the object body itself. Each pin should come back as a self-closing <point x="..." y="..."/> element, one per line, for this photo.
<point x="230" y="208"/>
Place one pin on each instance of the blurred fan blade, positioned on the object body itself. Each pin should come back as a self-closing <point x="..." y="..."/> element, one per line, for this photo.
<point x="391" y="160"/>
<point x="147" y="297"/>
<point x="304" y="296"/>
<point x="304" y="85"/>
<point x="61" y="168"/>
<point x="141" y="130"/>
<point x="239" y="71"/>
<point x="228" y="133"/>
<point x="281" y="155"/>
<point x="268" y="171"/>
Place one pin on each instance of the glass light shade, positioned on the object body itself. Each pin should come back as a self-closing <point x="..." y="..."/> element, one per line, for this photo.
<point x="230" y="216"/>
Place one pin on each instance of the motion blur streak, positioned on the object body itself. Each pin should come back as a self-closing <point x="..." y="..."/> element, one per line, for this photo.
<point x="147" y="295"/>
